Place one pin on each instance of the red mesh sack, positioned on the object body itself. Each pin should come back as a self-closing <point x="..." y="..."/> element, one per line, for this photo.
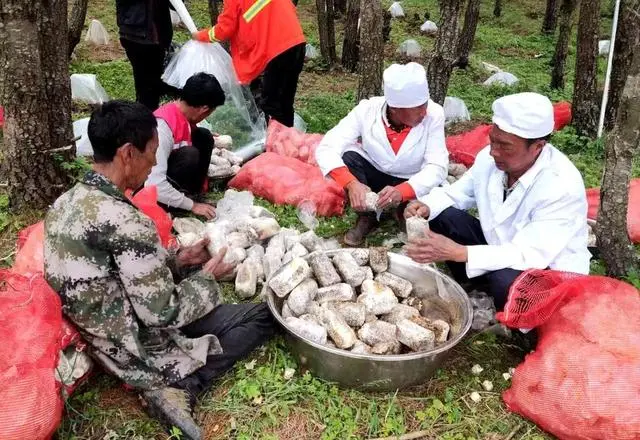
<point x="30" y="324"/>
<point x="288" y="181"/>
<point x="633" y="210"/>
<point x="561" y="115"/>
<point x="146" y="200"/>
<point x="583" y="379"/>
<point x="290" y="142"/>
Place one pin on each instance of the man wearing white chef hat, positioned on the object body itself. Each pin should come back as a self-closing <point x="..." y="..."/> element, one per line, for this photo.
<point x="531" y="204"/>
<point x="401" y="154"/>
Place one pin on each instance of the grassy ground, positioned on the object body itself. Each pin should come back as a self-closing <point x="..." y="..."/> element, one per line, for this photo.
<point x="255" y="401"/>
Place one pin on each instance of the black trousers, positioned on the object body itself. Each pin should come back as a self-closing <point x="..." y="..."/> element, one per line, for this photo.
<point x="280" y="83"/>
<point x="465" y="229"/>
<point x="187" y="167"/>
<point x="240" y="328"/>
<point x="368" y="174"/>
<point x="147" y="62"/>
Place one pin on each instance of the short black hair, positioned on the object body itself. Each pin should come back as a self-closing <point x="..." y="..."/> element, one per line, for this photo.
<point x="116" y="123"/>
<point x="203" y="89"/>
<point x="530" y="142"/>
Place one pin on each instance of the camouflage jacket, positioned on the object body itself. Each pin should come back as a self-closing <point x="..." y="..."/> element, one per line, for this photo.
<point x="116" y="281"/>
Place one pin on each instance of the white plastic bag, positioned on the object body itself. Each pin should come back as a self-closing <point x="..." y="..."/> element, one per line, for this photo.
<point x="491" y="68"/>
<point x="86" y="88"/>
<point x="455" y="110"/>
<point x="501" y="78"/>
<point x="299" y="124"/>
<point x="410" y="48"/>
<point x="97" y="34"/>
<point x="310" y="52"/>
<point x="175" y="19"/>
<point x="83" y="145"/>
<point x="429" y="28"/>
<point x="603" y="47"/>
<point x="396" y="10"/>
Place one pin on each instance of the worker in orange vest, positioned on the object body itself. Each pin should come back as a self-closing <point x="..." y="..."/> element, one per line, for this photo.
<point x="265" y="36"/>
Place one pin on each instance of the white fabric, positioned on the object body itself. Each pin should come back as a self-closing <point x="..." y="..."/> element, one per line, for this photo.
<point x="527" y="115"/>
<point x="423" y="157"/>
<point x="405" y="86"/>
<point x="167" y="194"/>
<point x="543" y="223"/>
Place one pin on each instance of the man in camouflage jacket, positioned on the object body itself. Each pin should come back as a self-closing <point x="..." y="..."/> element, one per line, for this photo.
<point x="146" y="323"/>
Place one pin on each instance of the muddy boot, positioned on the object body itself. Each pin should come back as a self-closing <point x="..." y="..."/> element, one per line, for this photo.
<point x="364" y="225"/>
<point x="173" y="407"/>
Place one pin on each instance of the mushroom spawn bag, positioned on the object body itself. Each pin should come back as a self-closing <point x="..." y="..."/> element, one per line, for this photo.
<point x="583" y="379"/>
<point x="291" y="142"/>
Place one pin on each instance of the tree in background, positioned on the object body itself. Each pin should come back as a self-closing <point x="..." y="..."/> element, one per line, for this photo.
<point x="36" y="95"/>
<point x="628" y="30"/>
<point x="585" y="92"/>
<point x="468" y="34"/>
<point x="445" y="53"/>
<point x="559" y="60"/>
<point x="497" y="8"/>
<point x="350" y="47"/>
<point x="326" y="29"/>
<point x="77" y="16"/>
<point x="622" y="144"/>
<point x="371" y="62"/>
<point x="550" y="17"/>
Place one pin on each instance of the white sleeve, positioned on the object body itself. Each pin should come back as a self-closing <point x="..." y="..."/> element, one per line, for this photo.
<point x="460" y="195"/>
<point x="552" y="226"/>
<point x="436" y="159"/>
<point x="167" y="194"/>
<point x="338" y="139"/>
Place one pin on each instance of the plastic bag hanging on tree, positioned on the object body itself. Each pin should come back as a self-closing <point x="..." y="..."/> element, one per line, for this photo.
<point x="97" y="34"/>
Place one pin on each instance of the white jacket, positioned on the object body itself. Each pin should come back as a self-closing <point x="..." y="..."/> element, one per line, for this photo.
<point x="423" y="157"/>
<point x="543" y="222"/>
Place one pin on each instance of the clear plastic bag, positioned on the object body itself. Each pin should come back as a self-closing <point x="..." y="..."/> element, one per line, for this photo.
<point x="83" y="145"/>
<point x="310" y="52"/>
<point x="410" y="48"/>
<point x="299" y="124"/>
<point x="455" y="110"/>
<point x="307" y="214"/>
<point x="429" y="28"/>
<point x="604" y="46"/>
<point x="86" y="88"/>
<point x="396" y="10"/>
<point x="502" y="78"/>
<point x="97" y="34"/>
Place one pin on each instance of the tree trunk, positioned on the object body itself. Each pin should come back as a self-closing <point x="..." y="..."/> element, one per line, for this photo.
<point x="497" y="8"/>
<point x="214" y="11"/>
<point x="77" y="16"/>
<point x="550" y="17"/>
<point x="350" y="48"/>
<point x="326" y="28"/>
<point x="628" y="30"/>
<point x="371" y="49"/>
<point x="340" y="7"/>
<point x="33" y="61"/>
<point x="386" y="26"/>
<point x="559" y="61"/>
<point x="585" y="92"/>
<point x="468" y="34"/>
<point x="622" y="144"/>
<point x="444" y="57"/>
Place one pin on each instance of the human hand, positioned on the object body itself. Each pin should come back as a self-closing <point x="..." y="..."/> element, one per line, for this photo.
<point x="205" y="210"/>
<point x="417" y="209"/>
<point x="389" y="196"/>
<point x="358" y="195"/>
<point x="436" y="248"/>
<point x="194" y="255"/>
<point x="216" y="267"/>
<point x="202" y="36"/>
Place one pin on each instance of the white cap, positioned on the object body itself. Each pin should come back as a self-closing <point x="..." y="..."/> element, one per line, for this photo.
<point x="527" y="115"/>
<point x="405" y="86"/>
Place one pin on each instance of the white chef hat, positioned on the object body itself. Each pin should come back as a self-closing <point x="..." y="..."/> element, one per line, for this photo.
<point x="527" y="115"/>
<point x="405" y="86"/>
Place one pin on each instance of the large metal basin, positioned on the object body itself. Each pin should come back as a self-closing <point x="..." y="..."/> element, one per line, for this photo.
<point x="378" y="372"/>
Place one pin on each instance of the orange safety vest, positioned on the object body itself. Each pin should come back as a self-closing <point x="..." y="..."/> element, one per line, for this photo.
<point x="259" y="31"/>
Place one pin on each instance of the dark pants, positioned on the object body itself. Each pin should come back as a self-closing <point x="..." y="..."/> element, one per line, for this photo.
<point x="187" y="167"/>
<point x="240" y="328"/>
<point x="465" y="229"/>
<point x="147" y="62"/>
<point x="280" y="83"/>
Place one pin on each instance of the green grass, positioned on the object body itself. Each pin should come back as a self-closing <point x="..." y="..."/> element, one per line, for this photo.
<point x="257" y="402"/>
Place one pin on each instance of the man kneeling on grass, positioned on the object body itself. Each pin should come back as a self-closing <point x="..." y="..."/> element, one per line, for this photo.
<point x="151" y="317"/>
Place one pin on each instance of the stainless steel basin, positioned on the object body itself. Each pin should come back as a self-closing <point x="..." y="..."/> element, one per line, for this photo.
<point x="378" y="372"/>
